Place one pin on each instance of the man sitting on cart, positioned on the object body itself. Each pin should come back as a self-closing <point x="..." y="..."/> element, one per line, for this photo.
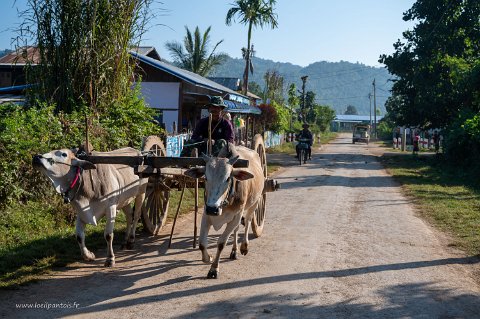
<point x="305" y="134"/>
<point x="222" y="131"/>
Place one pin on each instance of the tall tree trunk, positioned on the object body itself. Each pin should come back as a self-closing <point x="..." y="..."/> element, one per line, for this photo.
<point x="247" y="63"/>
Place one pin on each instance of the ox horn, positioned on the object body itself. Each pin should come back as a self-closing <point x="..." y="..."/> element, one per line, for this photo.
<point x="206" y="158"/>
<point x="232" y="160"/>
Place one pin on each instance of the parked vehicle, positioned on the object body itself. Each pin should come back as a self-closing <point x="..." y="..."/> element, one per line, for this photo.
<point x="361" y="133"/>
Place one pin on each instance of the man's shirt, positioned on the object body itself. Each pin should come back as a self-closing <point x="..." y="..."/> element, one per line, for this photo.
<point x="306" y="135"/>
<point x="222" y="129"/>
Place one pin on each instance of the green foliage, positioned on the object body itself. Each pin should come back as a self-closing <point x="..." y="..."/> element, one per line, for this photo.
<point x="22" y="134"/>
<point x="127" y="122"/>
<point x="324" y="116"/>
<point x="462" y="140"/>
<point x="256" y="89"/>
<point x="435" y="63"/>
<point x="84" y="50"/>
<point x="196" y="57"/>
<point x="293" y="99"/>
<point x="385" y="130"/>
<point x="274" y="86"/>
<point x="437" y="70"/>
<point x="283" y="118"/>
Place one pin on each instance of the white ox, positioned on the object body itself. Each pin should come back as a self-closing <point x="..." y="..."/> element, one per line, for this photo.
<point x="230" y="193"/>
<point x="96" y="191"/>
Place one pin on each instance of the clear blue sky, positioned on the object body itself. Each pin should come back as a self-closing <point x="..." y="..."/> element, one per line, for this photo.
<point x="309" y="30"/>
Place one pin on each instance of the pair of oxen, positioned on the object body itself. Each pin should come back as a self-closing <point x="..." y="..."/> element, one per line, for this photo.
<point x="101" y="190"/>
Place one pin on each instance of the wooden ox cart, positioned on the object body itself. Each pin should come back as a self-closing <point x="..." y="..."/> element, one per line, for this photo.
<point x="166" y="174"/>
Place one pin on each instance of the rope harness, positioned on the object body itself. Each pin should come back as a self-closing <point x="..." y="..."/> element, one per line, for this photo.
<point x="67" y="198"/>
<point x="231" y="192"/>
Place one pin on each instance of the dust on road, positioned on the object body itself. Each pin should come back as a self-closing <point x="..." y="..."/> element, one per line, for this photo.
<point x="340" y="241"/>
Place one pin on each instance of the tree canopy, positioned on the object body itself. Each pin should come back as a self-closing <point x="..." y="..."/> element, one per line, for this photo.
<point x="254" y="13"/>
<point x="435" y="65"/>
<point x="437" y="69"/>
<point x="351" y="110"/>
<point x="194" y="55"/>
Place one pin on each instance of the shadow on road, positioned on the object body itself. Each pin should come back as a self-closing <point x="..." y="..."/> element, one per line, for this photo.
<point x="406" y="301"/>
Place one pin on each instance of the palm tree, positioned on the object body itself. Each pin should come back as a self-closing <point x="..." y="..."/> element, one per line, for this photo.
<point x="253" y="13"/>
<point x="195" y="56"/>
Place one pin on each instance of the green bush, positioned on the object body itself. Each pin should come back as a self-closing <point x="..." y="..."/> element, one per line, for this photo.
<point x="24" y="132"/>
<point x="462" y="140"/>
<point x="385" y="130"/>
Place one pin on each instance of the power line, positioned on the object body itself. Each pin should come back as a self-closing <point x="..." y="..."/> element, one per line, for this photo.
<point x="334" y="74"/>
<point x="349" y="97"/>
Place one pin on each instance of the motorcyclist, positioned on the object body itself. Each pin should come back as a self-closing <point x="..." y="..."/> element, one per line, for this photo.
<point x="222" y="130"/>
<point x="305" y="134"/>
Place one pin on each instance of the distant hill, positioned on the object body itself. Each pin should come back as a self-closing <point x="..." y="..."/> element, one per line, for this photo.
<point x="337" y="84"/>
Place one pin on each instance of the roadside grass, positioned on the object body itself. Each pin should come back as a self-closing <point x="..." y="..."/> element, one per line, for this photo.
<point x="287" y="148"/>
<point x="35" y="238"/>
<point x="325" y="138"/>
<point x="448" y="197"/>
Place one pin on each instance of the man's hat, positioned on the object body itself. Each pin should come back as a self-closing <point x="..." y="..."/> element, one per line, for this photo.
<point x="217" y="101"/>
<point x="305" y="125"/>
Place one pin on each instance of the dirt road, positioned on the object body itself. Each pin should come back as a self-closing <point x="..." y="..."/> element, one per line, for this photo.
<point x="340" y="241"/>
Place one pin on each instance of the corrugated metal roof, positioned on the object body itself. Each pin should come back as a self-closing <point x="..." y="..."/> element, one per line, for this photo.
<point x="148" y="51"/>
<point x="14" y="89"/>
<point x="231" y="83"/>
<point x="185" y="75"/>
<point x="356" y="118"/>
<point x="21" y="56"/>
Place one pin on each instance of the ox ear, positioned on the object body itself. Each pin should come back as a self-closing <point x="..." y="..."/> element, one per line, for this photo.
<point x="195" y="172"/>
<point x="83" y="164"/>
<point x="232" y="160"/>
<point x="242" y="175"/>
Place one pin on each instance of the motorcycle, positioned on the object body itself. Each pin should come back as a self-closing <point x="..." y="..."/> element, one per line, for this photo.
<point x="304" y="148"/>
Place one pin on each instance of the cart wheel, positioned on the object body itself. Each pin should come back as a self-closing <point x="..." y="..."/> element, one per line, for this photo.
<point x="259" y="216"/>
<point x="155" y="206"/>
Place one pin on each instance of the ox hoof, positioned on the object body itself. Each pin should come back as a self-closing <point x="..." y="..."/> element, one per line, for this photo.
<point x="244" y="249"/>
<point x="109" y="263"/>
<point x="89" y="256"/>
<point x="212" y="274"/>
<point x="233" y="255"/>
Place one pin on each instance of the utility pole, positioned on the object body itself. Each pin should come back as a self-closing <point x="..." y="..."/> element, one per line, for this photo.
<point x="375" y="108"/>
<point x="370" y="99"/>
<point x="304" y="80"/>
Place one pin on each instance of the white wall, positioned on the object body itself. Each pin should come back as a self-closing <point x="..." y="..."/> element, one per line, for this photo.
<point x="163" y="96"/>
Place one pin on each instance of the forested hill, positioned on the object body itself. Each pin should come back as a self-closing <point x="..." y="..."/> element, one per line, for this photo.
<point x="337" y="84"/>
